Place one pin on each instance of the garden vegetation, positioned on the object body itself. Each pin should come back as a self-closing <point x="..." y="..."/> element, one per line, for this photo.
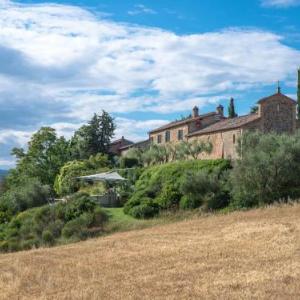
<point x="163" y="179"/>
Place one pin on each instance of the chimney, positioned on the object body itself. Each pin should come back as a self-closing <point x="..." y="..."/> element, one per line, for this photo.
<point x="220" y="110"/>
<point x="195" y="113"/>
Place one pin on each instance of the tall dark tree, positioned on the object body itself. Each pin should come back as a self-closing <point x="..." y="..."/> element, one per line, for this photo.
<point x="93" y="138"/>
<point x="298" y="95"/>
<point x="231" y="109"/>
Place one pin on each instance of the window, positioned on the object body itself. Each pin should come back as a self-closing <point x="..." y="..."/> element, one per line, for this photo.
<point x="278" y="107"/>
<point x="167" y="136"/>
<point x="159" y="139"/>
<point x="180" y="135"/>
<point x="233" y="138"/>
<point x="151" y="139"/>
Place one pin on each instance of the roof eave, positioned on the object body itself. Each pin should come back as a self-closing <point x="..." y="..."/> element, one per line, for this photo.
<point x="199" y="133"/>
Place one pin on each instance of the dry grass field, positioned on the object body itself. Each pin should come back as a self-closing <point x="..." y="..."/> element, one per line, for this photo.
<point x="243" y="255"/>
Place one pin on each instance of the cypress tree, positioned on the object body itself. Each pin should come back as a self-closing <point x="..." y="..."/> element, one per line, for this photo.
<point x="231" y="109"/>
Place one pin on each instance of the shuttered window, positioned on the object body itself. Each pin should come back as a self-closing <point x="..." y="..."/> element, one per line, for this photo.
<point x="167" y="136"/>
<point x="159" y="139"/>
<point x="180" y="135"/>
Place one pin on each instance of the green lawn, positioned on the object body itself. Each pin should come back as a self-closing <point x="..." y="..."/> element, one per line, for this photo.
<point x="118" y="221"/>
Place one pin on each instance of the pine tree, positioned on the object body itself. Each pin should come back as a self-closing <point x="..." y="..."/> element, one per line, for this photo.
<point x="298" y="95"/>
<point x="94" y="137"/>
<point x="231" y="109"/>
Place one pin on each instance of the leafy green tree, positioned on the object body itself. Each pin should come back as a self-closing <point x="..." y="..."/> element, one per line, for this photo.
<point x="66" y="181"/>
<point x="93" y="138"/>
<point x="45" y="155"/>
<point x="268" y="170"/>
<point x="195" y="148"/>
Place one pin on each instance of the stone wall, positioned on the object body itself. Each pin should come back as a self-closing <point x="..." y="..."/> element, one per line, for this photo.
<point x="278" y="115"/>
<point x="224" y="144"/>
<point x="189" y="127"/>
<point x="173" y="134"/>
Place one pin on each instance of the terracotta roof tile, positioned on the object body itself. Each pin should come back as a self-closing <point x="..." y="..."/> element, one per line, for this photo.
<point x="144" y="143"/>
<point x="181" y="122"/>
<point x="227" y="124"/>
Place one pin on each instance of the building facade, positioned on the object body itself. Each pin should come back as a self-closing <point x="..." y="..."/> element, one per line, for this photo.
<point x="116" y="146"/>
<point x="178" y="131"/>
<point x="276" y="113"/>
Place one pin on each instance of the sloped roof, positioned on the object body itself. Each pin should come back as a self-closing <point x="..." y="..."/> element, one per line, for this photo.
<point x="121" y="140"/>
<point x="137" y="144"/>
<point x="182" y="122"/>
<point x="228" y="124"/>
<point x="276" y="97"/>
<point x="108" y="176"/>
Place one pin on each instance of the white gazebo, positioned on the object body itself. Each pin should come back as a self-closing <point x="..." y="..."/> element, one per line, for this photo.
<point x="110" y="199"/>
<point x="112" y="176"/>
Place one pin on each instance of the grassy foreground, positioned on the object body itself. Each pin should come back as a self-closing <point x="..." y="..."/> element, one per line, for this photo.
<point x="118" y="221"/>
<point x="242" y="255"/>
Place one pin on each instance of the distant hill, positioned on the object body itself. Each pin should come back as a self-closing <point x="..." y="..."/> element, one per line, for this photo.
<point x="3" y="173"/>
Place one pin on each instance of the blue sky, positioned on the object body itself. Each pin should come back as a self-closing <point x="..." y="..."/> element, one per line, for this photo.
<point x="146" y="62"/>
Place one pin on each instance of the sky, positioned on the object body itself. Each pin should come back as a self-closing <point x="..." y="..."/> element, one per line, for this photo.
<point x="145" y="62"/>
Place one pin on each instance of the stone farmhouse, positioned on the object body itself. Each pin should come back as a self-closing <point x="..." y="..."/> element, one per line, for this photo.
<point x="276" y="113"/>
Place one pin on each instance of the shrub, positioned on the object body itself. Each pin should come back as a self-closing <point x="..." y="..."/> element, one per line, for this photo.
<point x="169" y="197"/>
<point x="204" y="188"/>
<point x="76" y="219"/>
<point x="188" y="202"/>
<point x="48" y="237"/>
<point x="4" y="217"/>
<point x="78" y="228"/>
<point x="31" y="194"/>
<point x="145" y="210"/>
<point x="99" y="217"/>
<point x="80" y="203"/>
<point x="162" y="184"/>
<point x="128" y="162"/>
<point x="268" y="170"/>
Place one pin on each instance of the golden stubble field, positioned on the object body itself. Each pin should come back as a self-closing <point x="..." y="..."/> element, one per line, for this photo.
<point x="243" y="255"/>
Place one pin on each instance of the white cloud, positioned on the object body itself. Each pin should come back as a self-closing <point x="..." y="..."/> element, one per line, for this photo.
<point x="4" y="163"/>
<point x="135" y="130"/>
<point x="89" y="63"/>
<point x="280" y="3"/>
<point x="19" y="137"/>
<point x="141" y="9"/>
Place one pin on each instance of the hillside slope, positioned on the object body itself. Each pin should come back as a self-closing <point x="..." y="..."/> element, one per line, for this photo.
<point x="243" y="255"/>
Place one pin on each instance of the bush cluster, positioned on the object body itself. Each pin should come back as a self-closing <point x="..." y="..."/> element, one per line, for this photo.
<point x="268" y="170"/>
<point x="168" y="187"/>
<point x="19" y="198"/>
<point x="76" y="219"/>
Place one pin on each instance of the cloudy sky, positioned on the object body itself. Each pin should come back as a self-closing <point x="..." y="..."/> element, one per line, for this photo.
<point x="145" y="62"/>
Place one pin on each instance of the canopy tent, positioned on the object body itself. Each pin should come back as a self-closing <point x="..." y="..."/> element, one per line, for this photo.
<point x="108" y="176"/>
